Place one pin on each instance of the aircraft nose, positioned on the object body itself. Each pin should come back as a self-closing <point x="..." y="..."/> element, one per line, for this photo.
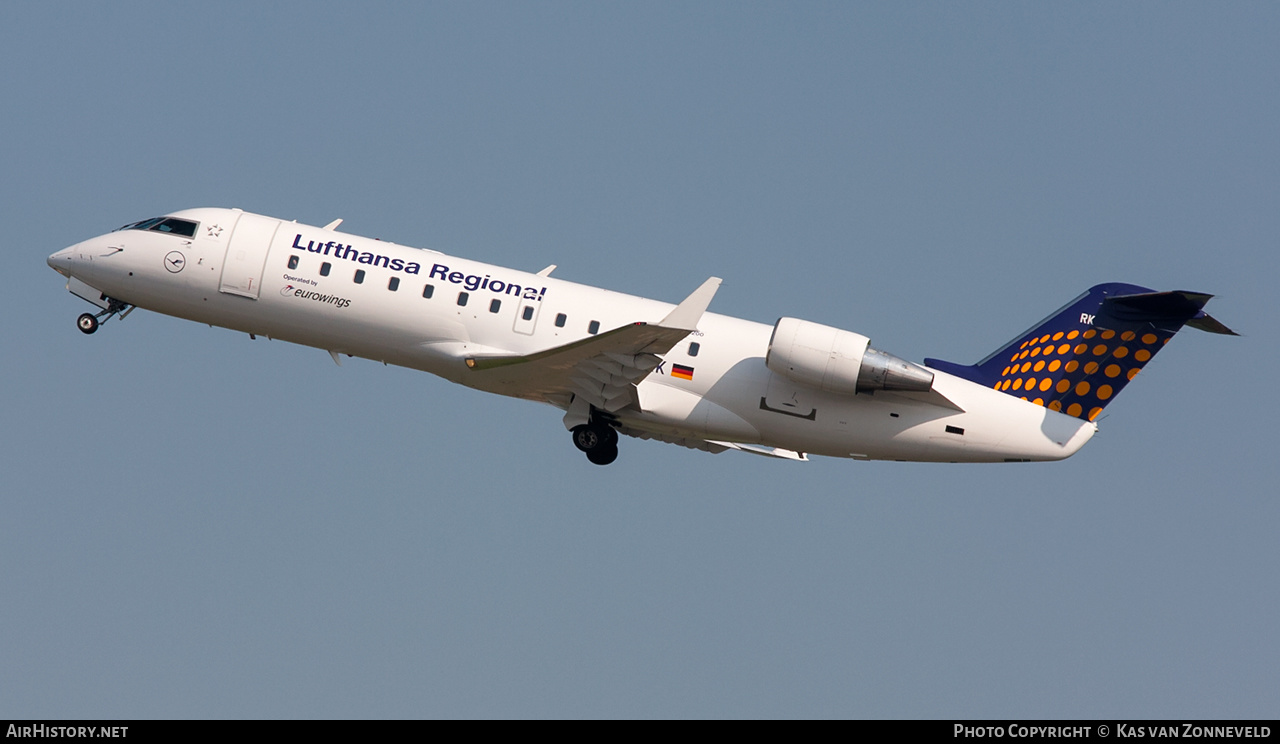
<point x="61" y="261"/>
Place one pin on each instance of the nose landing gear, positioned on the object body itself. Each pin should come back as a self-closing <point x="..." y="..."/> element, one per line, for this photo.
<point x="88" y="323"/>
<point x="598" y="440"/>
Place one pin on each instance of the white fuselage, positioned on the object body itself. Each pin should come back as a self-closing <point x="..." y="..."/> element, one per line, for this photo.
<point x="264" y="276"/>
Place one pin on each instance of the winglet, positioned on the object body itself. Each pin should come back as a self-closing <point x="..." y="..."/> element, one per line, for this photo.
<point x="333" y="225"/>
<point x="688" y="313"/>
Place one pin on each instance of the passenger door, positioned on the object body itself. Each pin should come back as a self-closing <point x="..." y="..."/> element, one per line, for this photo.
<point x="247" y="255"/>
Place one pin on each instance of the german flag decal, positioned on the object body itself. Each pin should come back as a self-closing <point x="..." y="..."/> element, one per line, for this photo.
<point x="681" y="371"/>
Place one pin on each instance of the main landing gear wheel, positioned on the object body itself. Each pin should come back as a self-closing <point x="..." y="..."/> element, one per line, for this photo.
<point x="600" y="442"/>
<point x="588" y="437"/>
<point x="603" y="455"/>
<point x="87" y="323"/>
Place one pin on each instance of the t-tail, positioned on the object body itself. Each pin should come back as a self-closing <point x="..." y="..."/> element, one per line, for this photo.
<point x="1078" y="359"/>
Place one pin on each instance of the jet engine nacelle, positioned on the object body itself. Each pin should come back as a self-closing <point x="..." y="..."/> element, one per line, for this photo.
<point x="838" y="361"/>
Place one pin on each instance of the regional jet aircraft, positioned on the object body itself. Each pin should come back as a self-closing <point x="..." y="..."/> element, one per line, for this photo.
<point x="618" y="364"/>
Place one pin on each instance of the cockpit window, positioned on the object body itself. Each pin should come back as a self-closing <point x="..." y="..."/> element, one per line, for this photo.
<point x="175" y="226"/>
<point x="143" y="225"/>
<point x="171" y="225"/>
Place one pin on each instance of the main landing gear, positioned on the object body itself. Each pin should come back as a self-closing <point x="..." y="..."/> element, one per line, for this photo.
<point x="88" y="323"/>
<point x="598" y="440"/>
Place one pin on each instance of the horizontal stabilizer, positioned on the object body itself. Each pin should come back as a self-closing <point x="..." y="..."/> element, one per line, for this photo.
<point x="1206" y="322"/>
<point x="1162" y="307"/>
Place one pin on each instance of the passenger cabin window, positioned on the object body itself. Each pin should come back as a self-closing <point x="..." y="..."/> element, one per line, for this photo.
<point x="293" y="262"/>
<point x="560" y="319"/>
<point x="359" y="276"/>
<point x="528" y="312"/>
<point x="495" y="305"/>
<point x="462" y="298"/>
<point x="593" y="327"/>
<point x="694" y="347"/>
<point x="394" y="283"/>
<point x="324" y="268"/>
<point x="428" y="290"/>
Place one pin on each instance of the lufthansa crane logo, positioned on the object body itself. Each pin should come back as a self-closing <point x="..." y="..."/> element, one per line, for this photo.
<point x="175" y="262"/>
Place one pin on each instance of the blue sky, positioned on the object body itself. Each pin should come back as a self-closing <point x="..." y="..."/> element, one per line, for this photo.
<point x="195" y="524"/>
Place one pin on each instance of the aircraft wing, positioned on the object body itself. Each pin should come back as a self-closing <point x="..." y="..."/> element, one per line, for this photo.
<point x="604" y="369"/>
<point x="715" y="447"/>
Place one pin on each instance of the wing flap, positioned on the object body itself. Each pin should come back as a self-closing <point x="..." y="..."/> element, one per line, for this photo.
<point x="714" y="448"/>
<point x="603" y="369"/>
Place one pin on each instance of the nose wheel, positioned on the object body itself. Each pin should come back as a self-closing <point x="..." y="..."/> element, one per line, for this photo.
<point x="599" y="441"/>
<point x="88" y="323"/>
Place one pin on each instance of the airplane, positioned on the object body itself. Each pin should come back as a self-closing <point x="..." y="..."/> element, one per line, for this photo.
<point x="620" y="364"/>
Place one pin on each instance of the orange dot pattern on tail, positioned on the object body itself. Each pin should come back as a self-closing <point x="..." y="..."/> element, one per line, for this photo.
<point x="1079" y="379"/>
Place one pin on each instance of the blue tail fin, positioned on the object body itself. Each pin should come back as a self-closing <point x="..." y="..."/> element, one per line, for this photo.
<point x="1078" y="359"/>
